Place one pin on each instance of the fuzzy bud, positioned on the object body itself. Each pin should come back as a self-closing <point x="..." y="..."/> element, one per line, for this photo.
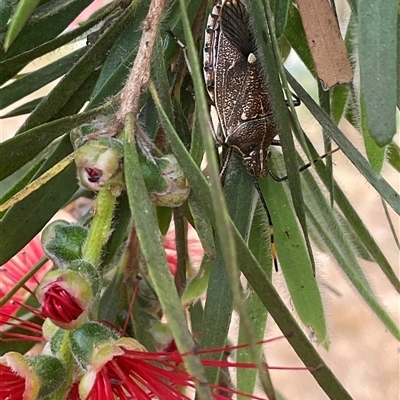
<point x="66" y="298"/>
<point x="166" y="182"/>
<point x="86" y="339"/>
<point x="99" y="163"/>
<point x="62" y="242"/>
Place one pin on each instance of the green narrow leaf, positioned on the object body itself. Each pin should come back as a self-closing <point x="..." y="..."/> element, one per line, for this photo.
<point x="293" y="259"/>
<point x="357" y="224"/>
<point x="391" y="225"/>
<point x="20" y="149"/>
<point x="281" y="16"/>
<point x="141" y="321"/>
<point x="354" y="273"/>
<point x="196" y="316"/>
<point x="375" y="153"/>
<point x="120" y="57"/>
<point x="332" y="233"/>
<point x="398" y="62"/>
<point x="121" y="220"/>
<point x="267" y="293"/>
<point x="259" y="245"/>
<point x="203" y="227"/>
<point x="393" y="155"/>
<point x="114" y="82"/>
<point x="23" y="109"/>
<point x="358" y="245"/>
<point x="37" y="79"/>
<point x="20" y="184"/>
<point x="79" y="98"/>
<point x="143" y="214"/>
<point x="198" y="285"/>
<point x="377" y="25"/>
<point x="159" y="72"/>
<point x="26" y="218"/>
<point x="109" y="301"/>
<point x="340" y="95"/>
<point x="76" y="76"/>
<point x="10" y="67"/>
<point x="5" y="12"/>
<point x="296" y="36"/>
<point x="272" y="71"/>
<point x="164" y="216"/>
<point x="196" y="143"/>
<point x="219" y="300"/>
<point x="383" y="188"/>
<point x="22" y="13"/>
<point x="48" y="21"/>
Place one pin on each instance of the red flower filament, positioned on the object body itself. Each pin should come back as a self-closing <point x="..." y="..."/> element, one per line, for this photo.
<point x="12" y="385"/>
<point x="60" y="305"/>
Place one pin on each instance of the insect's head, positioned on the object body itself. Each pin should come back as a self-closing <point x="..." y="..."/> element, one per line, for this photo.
<point x="257" y="162"/>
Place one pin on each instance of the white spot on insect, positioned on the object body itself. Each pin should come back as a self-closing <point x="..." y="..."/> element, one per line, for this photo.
<point x="232" y="65"/>
<point x="243" y="116"/>
<point x="251" y="59"/>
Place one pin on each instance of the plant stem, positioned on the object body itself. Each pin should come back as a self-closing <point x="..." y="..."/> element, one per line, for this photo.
<point x="100" y="230"/>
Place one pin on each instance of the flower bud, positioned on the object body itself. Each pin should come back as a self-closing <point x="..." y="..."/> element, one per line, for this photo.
<point x="89" y="271"/>
<point x="101" y="125"/>
<point x="66" y="298"/>
<point x="166" y="182"/>
<point x="29" y="378"/>
<point x="77" y="135"/>
<point x="94" y="346"/>
<point x="162" y="335"/>
<point x="86" y="340"/>
<point x="99" y="163"/>
<point x="62" y="242"/>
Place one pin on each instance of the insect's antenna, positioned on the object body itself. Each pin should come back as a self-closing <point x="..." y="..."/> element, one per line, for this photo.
<point x="271" y="226"/>
<point x="304" y="167"/>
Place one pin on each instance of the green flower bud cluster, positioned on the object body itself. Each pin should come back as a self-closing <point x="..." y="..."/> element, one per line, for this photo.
<point x="67" y="293"/>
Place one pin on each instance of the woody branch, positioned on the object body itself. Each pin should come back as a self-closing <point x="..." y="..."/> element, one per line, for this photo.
<point x="140" y="72"/>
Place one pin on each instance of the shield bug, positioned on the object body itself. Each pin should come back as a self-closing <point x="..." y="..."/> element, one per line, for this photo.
<point x="237" y="87"/>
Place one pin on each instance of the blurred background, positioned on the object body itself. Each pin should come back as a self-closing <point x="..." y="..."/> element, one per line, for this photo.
<point x="362" y="354"/>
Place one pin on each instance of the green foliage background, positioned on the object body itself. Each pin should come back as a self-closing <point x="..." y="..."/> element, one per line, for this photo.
<point x="231" y="227"/>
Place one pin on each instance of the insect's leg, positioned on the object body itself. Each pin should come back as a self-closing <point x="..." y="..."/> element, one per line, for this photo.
<point x="225" y="163"/>
<point x="302" y="168"/>
<point x="319" y="158"/>
<point x="295" y="99"/>
<point x="271" y="226"/>
<point x="276" y="142"/>
<point x="183" y="47"/>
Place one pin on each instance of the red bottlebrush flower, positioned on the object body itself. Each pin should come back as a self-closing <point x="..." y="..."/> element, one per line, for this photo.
<point x="195" y="249"/>
<point x="127" y="370"/>
<point x="121" y="368"/>
<point x="59" y="304"/>
<point x="28" y="331"/>
<point x="87" y="12"/>
<point x="19" y="382"/>
<point x="66" y="298"/>
<point x="29" y="378"/>
<point x="14" y="270"/>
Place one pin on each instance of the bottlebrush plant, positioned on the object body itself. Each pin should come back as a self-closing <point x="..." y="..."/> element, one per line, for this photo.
<point x="143" y="296"/>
